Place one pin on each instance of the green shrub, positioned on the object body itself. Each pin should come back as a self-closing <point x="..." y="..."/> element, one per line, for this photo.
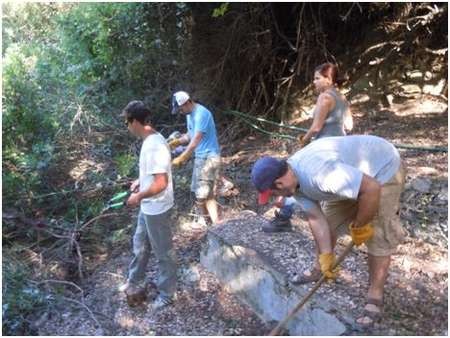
<point x="20" y="298"/>
<point x="126" y="165"/>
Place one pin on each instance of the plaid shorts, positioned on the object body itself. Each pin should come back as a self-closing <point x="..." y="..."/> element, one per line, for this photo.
<point x="204" y="176"/>
<point x="388" y="229"/>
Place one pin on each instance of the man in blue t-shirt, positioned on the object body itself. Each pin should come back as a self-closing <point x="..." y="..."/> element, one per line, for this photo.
<point x="201" y="137"/>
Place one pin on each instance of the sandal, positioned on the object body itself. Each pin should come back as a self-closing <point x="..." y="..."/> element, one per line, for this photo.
<point x="372" y="316"/>
<point x="305" y="279"/>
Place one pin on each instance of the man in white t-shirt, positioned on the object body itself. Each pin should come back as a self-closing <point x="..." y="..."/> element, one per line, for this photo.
<point x="351" y="180"/>
<point x="155" y="199"/>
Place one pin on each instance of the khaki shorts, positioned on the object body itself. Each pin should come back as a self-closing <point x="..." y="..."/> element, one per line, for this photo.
<point x="388" y="229"/>
<point x="204" y="176"/>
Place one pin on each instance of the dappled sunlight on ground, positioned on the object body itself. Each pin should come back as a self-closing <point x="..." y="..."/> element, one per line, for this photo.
<point x="85" y="166"/>
<point x="419" y="107"/>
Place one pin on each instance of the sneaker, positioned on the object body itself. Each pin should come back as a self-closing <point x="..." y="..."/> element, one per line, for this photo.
<point x="162" y="301"/>
<point x="278" y="224"/>
<point x="202" y="220"/>
<point x="124" y="287"/>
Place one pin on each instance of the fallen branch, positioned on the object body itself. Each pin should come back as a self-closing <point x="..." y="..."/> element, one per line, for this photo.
<point x="80" y="258"/>
<point x="59" y="282"/>
<point x="71" y="237"/>
<point x="81" y="303"/>
<point x="95" y="219"/>
<point x="86" y="308"/>
<point x="38" y="225"/>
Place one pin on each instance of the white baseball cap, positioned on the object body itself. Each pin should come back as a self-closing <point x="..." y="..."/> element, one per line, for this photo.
<point x="178" y="99"/>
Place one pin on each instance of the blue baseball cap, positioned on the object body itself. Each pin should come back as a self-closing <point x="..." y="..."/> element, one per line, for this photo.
<point x="264" y="172"/>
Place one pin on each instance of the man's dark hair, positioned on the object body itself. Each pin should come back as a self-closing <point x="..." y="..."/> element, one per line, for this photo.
<point x="283" y="168"/>
<point x="136" y="110"/>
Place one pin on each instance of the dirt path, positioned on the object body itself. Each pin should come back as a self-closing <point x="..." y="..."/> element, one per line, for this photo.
<point x="203" y="307"/>
<point x="417" y="289"/>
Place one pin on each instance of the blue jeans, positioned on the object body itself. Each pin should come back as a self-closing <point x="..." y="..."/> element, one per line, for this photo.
<point x="287" y="210"/>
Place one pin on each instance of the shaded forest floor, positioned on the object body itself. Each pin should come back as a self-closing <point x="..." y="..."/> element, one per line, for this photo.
<point x="417" y="288"/>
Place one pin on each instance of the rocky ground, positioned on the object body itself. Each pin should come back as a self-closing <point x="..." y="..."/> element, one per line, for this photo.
<point x="202" y="307"/>
<point x="417" y="283"/>
<point x="417" y="292"/>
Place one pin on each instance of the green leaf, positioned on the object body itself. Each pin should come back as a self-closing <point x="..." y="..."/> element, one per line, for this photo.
<point x="221" y="10"/>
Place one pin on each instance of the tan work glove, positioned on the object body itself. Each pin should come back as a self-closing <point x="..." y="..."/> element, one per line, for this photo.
<point x="183" y="158"/>
<point x="326" y="262"/>
<point x="301" y="141"/>
<point x="361" y="234"/>
<point x="174" y="143"/>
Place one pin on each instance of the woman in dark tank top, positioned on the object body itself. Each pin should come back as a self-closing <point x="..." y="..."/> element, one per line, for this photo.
<point x="332" y="114"/>
<point x="332" y="117"/>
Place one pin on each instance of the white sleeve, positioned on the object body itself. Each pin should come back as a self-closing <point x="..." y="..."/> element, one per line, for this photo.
<point x="157" y="160"/>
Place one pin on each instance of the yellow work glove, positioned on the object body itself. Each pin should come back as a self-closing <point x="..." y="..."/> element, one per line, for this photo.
<point x="361" y="234"/>
<point x="326" y="262"/>
<point x="174" y="143"/>
<point x="183" y="158"/>
<point x="301" y="141"/>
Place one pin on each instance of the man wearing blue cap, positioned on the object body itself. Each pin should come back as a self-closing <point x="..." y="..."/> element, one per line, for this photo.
<point x="201" y="137"/>
<point x="352" y="180"/>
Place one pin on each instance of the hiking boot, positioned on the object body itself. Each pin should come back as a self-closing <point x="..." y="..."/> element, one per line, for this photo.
<point x="278" y="224"/>
<point x="161" y="302"/>
<point x="136" y="296"/>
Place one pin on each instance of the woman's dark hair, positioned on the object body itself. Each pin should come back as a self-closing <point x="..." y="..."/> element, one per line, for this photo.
<point x="136" y="110"/>
<point x="330" y="71"/>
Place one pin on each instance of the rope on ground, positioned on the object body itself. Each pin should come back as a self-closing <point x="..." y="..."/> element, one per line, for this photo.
<point x="421" y="148"/>
<point x="246" y="120"/>
<point x="260" y="119"/>
<point x="109" y="184"/>
<point x="245" y="117"/>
